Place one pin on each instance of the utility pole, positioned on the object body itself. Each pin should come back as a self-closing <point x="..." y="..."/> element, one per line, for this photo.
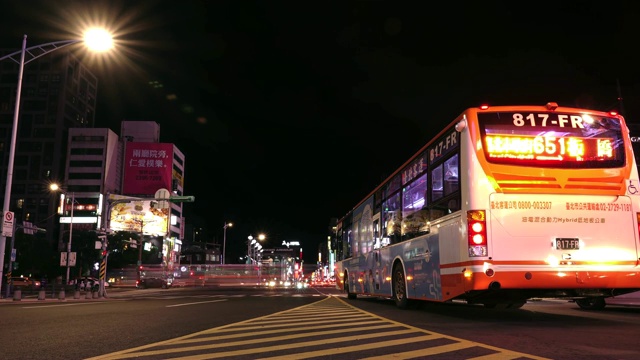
<point x="73" y="200"/>
<point x="104" y="254"/>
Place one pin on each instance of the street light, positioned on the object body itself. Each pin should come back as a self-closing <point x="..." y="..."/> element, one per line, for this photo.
<point x="251" y="242"/>
<point x="96" y="40"/>
<point x="224" y="239"/>
<point x="56" y="187"/>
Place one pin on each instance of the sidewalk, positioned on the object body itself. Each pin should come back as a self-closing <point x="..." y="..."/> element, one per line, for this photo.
<point x="53" y="296"/>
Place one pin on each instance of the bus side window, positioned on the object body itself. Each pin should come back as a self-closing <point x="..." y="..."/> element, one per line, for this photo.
<point x="451" y="175"/>
<point x="436" y="183"/>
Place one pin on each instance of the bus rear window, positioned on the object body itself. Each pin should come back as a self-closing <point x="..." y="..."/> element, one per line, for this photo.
<point x="550" y="139"/>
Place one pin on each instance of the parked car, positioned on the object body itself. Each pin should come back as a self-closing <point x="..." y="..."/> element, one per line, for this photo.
<point x="153" y="282"/>
<point x="24" y="282"/>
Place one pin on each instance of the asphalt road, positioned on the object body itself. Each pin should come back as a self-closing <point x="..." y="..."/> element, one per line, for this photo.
<point x="247" y="323"/>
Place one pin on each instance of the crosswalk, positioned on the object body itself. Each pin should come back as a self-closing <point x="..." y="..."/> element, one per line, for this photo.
<point x="327" y="329"/>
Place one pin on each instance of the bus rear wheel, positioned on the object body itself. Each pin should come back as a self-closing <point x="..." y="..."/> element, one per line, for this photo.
<point x="399" y="288"/>
<point x="591" y="303"/>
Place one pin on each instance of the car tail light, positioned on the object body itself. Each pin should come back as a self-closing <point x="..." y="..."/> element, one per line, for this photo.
<point x="477" y="232"/>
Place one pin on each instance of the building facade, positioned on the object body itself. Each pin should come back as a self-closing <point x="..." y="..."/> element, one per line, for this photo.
<point x="58" y="93"/>
<point x="57" y="142"/>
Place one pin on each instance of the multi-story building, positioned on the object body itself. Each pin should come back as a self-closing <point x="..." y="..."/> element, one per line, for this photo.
<point x="57" y="142"/>
<point x="149" y="166"/>
<point x="58" y="93"/>
<point x="91" y="172"/>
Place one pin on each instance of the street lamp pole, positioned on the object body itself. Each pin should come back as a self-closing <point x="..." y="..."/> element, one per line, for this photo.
<point x="224" y="239"/>
<point x="73" y="205"/>
<point x="251" y="241"/>
<point x="12" y="153"/>
<point x="95" y="39"/>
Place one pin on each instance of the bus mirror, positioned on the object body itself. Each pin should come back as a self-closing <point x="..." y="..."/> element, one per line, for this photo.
<point x="461" y="125"/>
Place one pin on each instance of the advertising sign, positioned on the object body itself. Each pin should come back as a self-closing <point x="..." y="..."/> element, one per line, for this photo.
<point x="147" y="168"/>
<point x="139" y="216"/>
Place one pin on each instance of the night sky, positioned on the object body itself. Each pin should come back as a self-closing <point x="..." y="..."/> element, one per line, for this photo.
<point x="291" y="112"/>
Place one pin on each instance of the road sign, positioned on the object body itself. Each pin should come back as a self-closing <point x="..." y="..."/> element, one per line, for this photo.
<point x="163" y="194"/>
<point x="7" y="224"/>
<point x="63" y="259"/>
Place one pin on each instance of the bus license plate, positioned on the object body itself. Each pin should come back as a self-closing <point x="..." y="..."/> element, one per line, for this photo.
<point x="567" y="244"/>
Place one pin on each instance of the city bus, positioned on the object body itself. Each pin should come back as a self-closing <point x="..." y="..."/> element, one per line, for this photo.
<point x="506" y="204"/>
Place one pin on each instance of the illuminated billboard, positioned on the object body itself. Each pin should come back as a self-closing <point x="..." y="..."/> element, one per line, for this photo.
<point x="140" y="217"/>
<point x="147" y="168"/>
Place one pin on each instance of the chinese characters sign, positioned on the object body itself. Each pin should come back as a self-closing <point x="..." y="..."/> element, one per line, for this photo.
<point x="147" y="168"/>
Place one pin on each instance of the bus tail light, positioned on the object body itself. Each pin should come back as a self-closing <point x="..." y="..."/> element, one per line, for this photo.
<point x="638" y="222"/>
<point x="477" y="232"/>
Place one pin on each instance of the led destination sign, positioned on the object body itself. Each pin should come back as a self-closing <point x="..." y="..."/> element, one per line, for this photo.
<point x="571" y="140"/>
<point x="548" y="148"/>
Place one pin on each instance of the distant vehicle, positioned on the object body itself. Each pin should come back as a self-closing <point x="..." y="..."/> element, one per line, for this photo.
<point x="153" y="282"/>
<point x="24" y="282"/>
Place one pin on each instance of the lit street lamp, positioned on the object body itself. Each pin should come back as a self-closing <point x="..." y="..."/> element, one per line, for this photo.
<point x="251" y="242"/>
<point x="96" y="40"/>
<point x="224" y="239"/>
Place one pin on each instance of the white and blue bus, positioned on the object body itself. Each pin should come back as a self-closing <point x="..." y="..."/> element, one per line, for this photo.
<point x="505" y="204"/>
